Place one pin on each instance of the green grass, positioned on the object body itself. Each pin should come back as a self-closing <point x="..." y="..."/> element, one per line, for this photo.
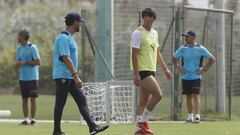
<point x="206" y="128"/>
<point x="45" y="112"/>
<point x="45" y="105"/>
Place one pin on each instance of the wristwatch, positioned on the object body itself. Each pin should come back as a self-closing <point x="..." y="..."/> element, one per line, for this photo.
<point x="205" y="68"/>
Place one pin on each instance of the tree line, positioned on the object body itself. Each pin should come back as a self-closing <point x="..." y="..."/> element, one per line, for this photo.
<point x="44" y="24"/>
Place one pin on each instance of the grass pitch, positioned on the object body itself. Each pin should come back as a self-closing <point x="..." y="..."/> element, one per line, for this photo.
<point x="205" y="128"/>
<point x="45" y="112"/>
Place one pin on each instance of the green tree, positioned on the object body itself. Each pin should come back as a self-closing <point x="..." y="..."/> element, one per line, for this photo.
<point x="44" y="24"/>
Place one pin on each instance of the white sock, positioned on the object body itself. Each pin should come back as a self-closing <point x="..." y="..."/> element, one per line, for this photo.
<point x="33" y="119"/>
<point x="197" y="116"/>
<point x="139" y="118"/>
<point x="27" y="119"/>
<point x="190" y="116"/>
<point x="145" y="114"/>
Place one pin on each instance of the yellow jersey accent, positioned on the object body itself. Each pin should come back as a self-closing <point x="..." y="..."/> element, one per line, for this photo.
<point x="147" y="53"/>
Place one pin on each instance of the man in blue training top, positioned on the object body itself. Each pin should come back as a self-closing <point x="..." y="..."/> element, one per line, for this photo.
<point x="192" y="70"/>
<point x="65" y="74"/>
<point x="27" y="60"/>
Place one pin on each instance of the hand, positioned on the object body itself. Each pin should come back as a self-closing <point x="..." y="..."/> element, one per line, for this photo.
<point x="180" y="69"/>
<point x="19" y="63"/>
<point x="136" y="79"/>
<point x="78" y="82"/>
<point x="201" y="71"/>
<point x="168" y="74"/>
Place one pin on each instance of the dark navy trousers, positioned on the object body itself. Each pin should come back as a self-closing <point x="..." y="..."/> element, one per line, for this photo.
<point x="63" y="86"/>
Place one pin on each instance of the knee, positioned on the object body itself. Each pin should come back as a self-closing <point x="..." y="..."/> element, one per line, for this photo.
<point x="158" y="97"/>
<point x="25" y="100"/>
<point x="81" y="97"/>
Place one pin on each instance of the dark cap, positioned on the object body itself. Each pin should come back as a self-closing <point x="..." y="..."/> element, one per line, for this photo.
<point x="72" y="16"/>
<point x="189" y="33"/>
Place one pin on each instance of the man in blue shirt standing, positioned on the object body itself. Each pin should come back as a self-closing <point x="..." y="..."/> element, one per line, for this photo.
<point x="28" y="60"/>
<point x="65" y="74"/>
<point x="192" y="70"/>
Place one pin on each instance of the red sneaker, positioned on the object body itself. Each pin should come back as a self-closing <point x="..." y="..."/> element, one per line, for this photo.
<point x="140" y="132"/>
<point x="144" y="126"/>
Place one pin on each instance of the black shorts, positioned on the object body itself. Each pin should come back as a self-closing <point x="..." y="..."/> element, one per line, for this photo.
<point x="144" y="74"/>
<point x="191" y="86"/>
<point x="29" y="88"/>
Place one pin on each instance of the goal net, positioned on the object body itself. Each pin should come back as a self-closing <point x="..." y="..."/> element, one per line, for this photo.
<point x="111" y="101"/>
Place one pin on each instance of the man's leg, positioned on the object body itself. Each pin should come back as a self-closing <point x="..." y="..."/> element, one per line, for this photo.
<point x="196" y="97"/>
<point x="142" y="102"/>
<point x="25" y="110"/>
<point x="189" y="108"/>
<point x="33" y="93"/>
<point x="62" y="86"/>
<point x="143" y="99"/>
<point x="25" y="107"/>
<point x="33" y="110"/>
<point x="81" y="101"/>
<point x="25" y="95"/>
<point x="197" y="107"/>
<point x="187" y="90"/>
<point x="151" y="85"/>
<point x="197" y="103"/>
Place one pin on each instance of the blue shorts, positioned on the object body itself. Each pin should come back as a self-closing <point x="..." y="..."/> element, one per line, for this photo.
<point x="29" y="88"/>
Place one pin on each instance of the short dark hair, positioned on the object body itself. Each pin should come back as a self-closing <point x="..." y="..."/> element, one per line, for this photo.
<point x="149" y="12"/>
<point x="71" y="17"/>
<point x="24" y="33"/>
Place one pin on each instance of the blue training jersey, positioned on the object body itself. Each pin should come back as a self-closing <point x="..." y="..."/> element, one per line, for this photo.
<point x="28" y="53"/>
<point x="65" y="45"/>
<point x="192" y="59"/>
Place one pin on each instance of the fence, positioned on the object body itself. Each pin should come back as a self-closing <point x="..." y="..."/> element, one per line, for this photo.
<point x="126" y="20"/>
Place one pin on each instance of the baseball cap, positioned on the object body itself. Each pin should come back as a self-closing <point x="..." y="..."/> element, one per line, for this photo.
<point x="72" y="16"/>
<point x="189" y="33"/>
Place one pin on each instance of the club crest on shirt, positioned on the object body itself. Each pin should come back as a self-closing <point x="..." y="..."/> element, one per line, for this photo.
<point x="27" y="52"/>
<point x="196" y="53"/>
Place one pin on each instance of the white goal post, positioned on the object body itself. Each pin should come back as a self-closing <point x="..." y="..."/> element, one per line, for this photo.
<point x="111" y="102"/>
<point x="5" y="113"/>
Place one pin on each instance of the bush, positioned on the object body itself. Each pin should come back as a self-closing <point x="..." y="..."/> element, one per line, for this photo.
<point x="44" y="24"/>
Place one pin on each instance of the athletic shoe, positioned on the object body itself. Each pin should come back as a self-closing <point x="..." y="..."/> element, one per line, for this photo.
<point x="98" y="129"/>
<point x="24" y="123"/>
<point x="59" y="133"/>
<point x="144" y="126"/>
<point x="197" y="120"/>
<point x="33" y="122"/>
<point x="140" y="132"/>
<point x="188" y="122"/>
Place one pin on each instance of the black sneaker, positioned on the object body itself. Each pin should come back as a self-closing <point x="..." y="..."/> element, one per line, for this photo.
<point x="33" y="122"/>
<point x="188" y="122"/>
<point x="98" y="129"/>
<point x="197" y="120"/>
<point x="59" y="133"/>
<point x="24" y="123"/>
